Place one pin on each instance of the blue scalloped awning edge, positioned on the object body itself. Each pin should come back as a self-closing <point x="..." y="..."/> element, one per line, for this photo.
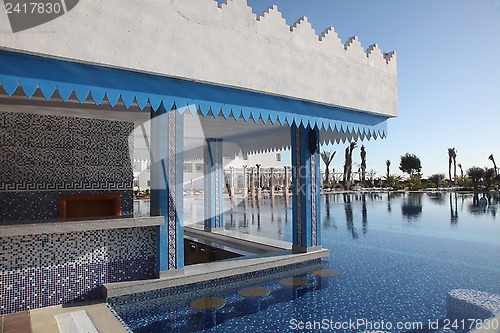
<point x="98" y="83"/>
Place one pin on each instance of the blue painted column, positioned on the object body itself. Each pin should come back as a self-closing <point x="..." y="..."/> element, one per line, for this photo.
<point x="306" y="221"/>
<point x="214" y="184"/>
<point x="167" y="161"/>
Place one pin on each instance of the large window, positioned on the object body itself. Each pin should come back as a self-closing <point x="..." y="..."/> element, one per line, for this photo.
<point x="199" y="167"/>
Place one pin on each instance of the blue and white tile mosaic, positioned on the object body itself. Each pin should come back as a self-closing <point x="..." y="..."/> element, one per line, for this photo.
<point x="45" y="270"/>
<point x="43" y="156"/>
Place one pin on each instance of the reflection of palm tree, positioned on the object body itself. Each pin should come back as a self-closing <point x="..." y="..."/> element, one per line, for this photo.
<point x="328" y="219"/>
<point x="491" y="158"/>
<point x="327" y="158"/>
<point x="453" y="211"/>
<point x="349" y="217"/>
<point x="364" y="214"/>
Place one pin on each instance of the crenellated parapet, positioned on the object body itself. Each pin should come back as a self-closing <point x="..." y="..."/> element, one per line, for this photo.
<point x="224" y="44"/>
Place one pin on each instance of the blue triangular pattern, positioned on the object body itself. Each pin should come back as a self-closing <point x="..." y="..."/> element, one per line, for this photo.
<point x="181" y="102"/>
<point x="141" y="100"/>
<point x="45" y="73"/>
<point x="127" y="99"/>
<point x="236" y="114"/>
<point x="155" y="102"/>
<point x="29" y="87"/>
<point x="281" y="118"/>
<point x="82" y="93"/>
<point x="215" y="112"/>
<point x="112" y="96"/>
<point x="264" y="115"/>
<point x="226" y="112"/>
<point x="64" y="91"/>
<point x="9" y="84"/>
<point x="97" y="95"/>
<point x="181" y="110"/>
<point x="193" y="108"/>
<point x="272" y="120"/>
<point x="245" y="114"/>
<point x="206" y="111"/>
<point x="47" y="88"/>
<point x="170" y="104"/>
<point x="254" y="116"/>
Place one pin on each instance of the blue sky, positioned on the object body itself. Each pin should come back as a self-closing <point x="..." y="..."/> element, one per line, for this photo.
<point x="448" y="73"/>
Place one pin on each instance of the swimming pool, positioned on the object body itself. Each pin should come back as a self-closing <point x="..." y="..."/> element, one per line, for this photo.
<point x="397" y="254"/>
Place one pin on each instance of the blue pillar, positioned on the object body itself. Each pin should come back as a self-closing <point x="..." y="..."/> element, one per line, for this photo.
<point x="167" y="161"/>
<point x="214" y="184"/>
<point x="306" y="221"/>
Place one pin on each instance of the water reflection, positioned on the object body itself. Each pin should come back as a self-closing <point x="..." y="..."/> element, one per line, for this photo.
<point x="483" y="205"/>
<point x="364" y="213"/>
<point x="453" y="208"/>
<point x="437" y="197"/>
<point x="328" y="221"/>
<point x="349" y="216"/>
<point x="358" y="210"/>
<point x="411" y="208"/>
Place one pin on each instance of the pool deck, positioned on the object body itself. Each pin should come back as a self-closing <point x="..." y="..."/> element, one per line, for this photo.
<point x="269" y="254"/>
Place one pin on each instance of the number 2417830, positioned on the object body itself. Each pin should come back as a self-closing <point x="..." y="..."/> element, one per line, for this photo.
<point x="33" y="8"/>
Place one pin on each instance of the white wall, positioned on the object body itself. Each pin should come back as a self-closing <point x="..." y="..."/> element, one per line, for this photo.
<point x="227" y="45"/>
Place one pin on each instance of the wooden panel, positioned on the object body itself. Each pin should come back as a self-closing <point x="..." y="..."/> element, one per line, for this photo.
<point x="89" y="205"/>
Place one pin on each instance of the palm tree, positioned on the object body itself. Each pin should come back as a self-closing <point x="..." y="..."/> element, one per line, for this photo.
<point x="327" y="158"/>
<point x="475" y="174"/>
<point x="461" y="170"/>
<point x="491" y="158"/>
<point x="452" y="158"/>
<point x="437" y="178"/>
<point x="348" y="162"/>
<point x="393" y="180"/>
<point x="363" y="164"/>
<point x="388" y="165"/>
<point x="488" y="175"/>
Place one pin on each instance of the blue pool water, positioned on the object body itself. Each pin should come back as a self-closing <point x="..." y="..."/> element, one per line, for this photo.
<point x="398" y="255"/>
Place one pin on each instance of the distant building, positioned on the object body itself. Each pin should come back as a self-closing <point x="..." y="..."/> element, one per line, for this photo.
<point x="193" y="170"/>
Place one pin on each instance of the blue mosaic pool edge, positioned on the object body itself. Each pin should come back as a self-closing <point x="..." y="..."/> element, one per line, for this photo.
<point x="185" y="293"/>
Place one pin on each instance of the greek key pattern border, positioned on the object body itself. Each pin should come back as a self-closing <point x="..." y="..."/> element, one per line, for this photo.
<point x="313" y="197"/>
<point x="299" y="184"/>
<point x="62" y="186"/>
<point x="172" y="194"/>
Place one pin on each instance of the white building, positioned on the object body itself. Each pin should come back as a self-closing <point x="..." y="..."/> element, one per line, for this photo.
<point x="193" y="170"/>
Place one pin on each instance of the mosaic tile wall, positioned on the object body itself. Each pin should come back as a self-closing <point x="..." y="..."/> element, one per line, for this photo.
<point x="45" y="270"/>
<point x="43" y="156"/>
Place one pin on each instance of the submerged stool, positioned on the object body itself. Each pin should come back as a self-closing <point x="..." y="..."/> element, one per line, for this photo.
<point x="325" y="273"/>
<point x="209" y="305"/>
<point x="322" y="276"/>
<point x="295" y="283"/>
<point x="255" y="295"/>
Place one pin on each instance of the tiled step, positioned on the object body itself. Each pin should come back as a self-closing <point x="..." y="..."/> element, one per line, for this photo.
<point x="75" y="322"/>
